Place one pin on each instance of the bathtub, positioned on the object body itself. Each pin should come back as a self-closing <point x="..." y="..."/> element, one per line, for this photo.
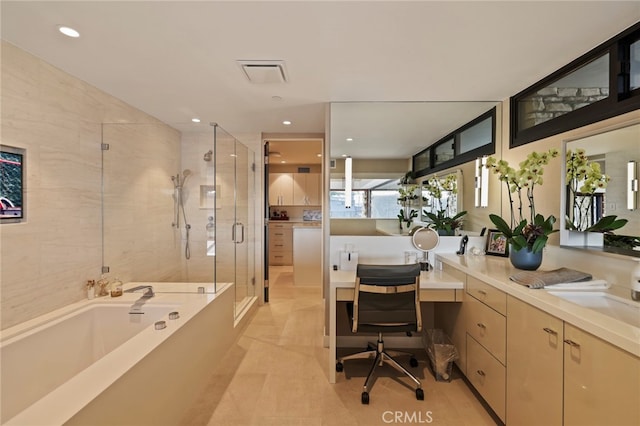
<point x="95" y="363"/>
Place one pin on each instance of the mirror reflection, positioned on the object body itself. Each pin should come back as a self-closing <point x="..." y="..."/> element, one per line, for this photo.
<point x="442" y="207"/>
<point x="600" y="193"/>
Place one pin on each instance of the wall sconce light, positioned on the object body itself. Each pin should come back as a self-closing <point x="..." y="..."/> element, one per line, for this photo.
<point x="348" y="176"/>
<point x="632" y="185"/>
<point x="482" y="183"/>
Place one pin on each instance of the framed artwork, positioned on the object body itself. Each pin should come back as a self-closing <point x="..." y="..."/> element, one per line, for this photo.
<point x="497" y="243"/>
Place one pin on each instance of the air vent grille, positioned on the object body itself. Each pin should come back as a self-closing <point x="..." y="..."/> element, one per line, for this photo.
<point x="264" y="72"/>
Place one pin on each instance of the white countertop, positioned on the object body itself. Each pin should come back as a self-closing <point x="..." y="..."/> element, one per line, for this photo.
<point x="496" y="271"/>
<point x="429" y="280"/>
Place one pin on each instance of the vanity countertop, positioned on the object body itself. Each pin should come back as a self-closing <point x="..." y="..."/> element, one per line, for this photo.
<point x="496" y="271"/>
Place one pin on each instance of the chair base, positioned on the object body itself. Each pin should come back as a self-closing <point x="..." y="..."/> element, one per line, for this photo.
<point x="382" y="356"/>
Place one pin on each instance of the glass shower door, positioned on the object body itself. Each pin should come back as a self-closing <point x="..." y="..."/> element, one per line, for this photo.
<point x="235" y="236"/>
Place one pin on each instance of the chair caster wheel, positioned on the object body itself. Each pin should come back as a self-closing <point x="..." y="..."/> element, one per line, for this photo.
<point x="413" y="362"/>
<point x="419" y="394"/>
<point x="365" y="398"/>
<point x="339" y="367"/>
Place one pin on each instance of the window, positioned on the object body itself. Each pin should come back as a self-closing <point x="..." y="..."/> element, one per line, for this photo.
<point x="474" y="139"/>
<point x="598" y="85"/>
<point x="370" y="198"/>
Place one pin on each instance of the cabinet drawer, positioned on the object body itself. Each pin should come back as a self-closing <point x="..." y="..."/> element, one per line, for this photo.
<point x="281" y="235"/>
<point x="275" y="245"/>
<point x="487" y="294"/>
<point x="281" y="257"/>
<point x="487" y="375"/>
<point x="488" y="327"/>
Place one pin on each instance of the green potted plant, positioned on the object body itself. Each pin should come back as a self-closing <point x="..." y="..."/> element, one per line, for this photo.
<point x="442" y="220"/>
<point x="407" y="198"/>
<point x="526" y="234"/>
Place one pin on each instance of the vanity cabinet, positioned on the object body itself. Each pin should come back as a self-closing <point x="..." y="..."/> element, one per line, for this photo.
<point x="280" y="244"/>
<point x="534" y="375"/>
<point x="294" y="189"/>
<point x="486" y="342"/>
<point x="533" y="368"/>
<point x="601" y="381"/>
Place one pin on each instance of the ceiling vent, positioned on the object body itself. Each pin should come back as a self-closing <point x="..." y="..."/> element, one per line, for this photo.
<point x="264" y="72"/>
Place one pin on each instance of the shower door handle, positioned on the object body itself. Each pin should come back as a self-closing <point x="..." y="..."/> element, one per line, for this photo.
<point x="234" y="235"/>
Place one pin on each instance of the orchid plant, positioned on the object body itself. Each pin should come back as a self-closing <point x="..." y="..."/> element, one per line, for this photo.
<point x="524" y="231"/>
<point x="442" y="191"/>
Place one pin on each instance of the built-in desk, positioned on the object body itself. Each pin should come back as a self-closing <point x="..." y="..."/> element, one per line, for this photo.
<point x="435" y="286"/>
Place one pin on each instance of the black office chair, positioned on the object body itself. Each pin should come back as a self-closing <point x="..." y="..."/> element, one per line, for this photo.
<point x="386" y="299"/>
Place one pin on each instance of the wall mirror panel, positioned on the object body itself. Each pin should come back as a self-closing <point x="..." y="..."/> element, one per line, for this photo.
<point x="440" y="194"/>
<point x="601" y="181"/>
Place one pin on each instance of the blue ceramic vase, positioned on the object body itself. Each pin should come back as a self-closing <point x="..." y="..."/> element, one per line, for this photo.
<point x="525" y="259"/>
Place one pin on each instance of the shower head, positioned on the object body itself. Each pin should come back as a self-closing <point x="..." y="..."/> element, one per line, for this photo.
<point x="208" y="155"/>
<point x="185" y="173"/>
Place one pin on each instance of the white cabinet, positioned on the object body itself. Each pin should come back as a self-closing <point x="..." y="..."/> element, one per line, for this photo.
<point x="294" y="189"/>
<point x="534" y="374"/>
<point x="306" y="189"/>
<point x="281" y="189"/>
<point x="601" y="381"/>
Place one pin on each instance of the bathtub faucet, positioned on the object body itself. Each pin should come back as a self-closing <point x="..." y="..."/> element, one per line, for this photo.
<point x="148" y="291"/>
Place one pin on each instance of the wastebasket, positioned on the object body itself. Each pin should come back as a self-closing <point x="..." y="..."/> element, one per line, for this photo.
<point x="441" y="352"/>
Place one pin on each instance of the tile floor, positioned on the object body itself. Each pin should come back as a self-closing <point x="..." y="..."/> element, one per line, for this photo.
<point x="276" y="374"/>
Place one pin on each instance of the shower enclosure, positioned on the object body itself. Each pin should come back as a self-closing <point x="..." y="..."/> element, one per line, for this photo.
<point x="178" y="207"/>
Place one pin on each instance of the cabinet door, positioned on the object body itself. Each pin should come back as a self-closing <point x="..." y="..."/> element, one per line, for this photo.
<point x="601" y="381"/>
<point x="487" y="375"/>
<point x="299" y="189"/>
<point x="280" y="189"/>
<point x="313" y="189"/>
<point x="306" y="189"/>
<point x="534" y="372"/>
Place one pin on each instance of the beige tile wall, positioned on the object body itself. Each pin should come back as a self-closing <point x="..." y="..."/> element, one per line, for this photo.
<point x="57" y="119"/>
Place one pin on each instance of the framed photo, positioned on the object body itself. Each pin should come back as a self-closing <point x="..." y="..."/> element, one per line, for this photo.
<point x="497" y="243"/>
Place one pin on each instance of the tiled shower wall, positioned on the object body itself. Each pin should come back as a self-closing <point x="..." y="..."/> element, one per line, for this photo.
<point x="58" y="119"/>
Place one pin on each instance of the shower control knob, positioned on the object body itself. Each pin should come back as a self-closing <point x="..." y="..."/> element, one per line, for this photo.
<point x="174" y="315"/>
<point x="159" y="325"/>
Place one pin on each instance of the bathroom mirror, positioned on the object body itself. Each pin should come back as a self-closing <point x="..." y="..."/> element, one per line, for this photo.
<point x="600" y="180"/>
<point x="441" y="194"/>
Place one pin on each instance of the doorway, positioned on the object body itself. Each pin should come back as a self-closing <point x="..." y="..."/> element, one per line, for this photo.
<point x="293" y="199"/>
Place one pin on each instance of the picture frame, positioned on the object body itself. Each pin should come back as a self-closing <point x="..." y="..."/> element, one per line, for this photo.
<point x="496" y="244"/>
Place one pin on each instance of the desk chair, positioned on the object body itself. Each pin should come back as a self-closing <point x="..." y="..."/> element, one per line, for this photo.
<point x="386" y="299"/>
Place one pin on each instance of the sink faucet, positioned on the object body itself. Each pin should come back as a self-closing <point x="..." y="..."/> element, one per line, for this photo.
<point x="136" y="308"/>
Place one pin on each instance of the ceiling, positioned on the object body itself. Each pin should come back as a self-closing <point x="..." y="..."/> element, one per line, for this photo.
<point x="177" y="60"/>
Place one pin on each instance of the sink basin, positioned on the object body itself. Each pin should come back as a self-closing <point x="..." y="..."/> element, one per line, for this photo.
<point x="624" y="310"/>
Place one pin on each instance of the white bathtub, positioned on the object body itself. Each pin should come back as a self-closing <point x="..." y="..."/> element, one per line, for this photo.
<point x="87" y="363"/>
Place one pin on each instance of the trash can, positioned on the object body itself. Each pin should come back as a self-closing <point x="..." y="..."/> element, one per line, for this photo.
<point x="441" y="352"/>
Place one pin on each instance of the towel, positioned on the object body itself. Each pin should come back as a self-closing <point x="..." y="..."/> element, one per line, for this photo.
<point x="540" y="279"/>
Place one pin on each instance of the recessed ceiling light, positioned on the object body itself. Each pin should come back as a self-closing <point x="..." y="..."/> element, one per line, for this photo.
<point x="344" y="155"/>
<point x="349" y="139"/>
<point x="195" y="120"/>
<point x="318" y="155"/>
<point x="283" y="161"/>
<point x="286" y="122"/>
<point x="276" y="98"/>
<point x="68" y="31"/>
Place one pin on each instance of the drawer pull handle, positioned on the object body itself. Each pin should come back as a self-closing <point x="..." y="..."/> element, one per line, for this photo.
<point x="482" y="292"/>
<point x="571" y="343"/>
<point x="480" y="373"/>
<point x="550" y="331"/>
<point x="278" y="245"/>
<point x="481" y="325"/>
